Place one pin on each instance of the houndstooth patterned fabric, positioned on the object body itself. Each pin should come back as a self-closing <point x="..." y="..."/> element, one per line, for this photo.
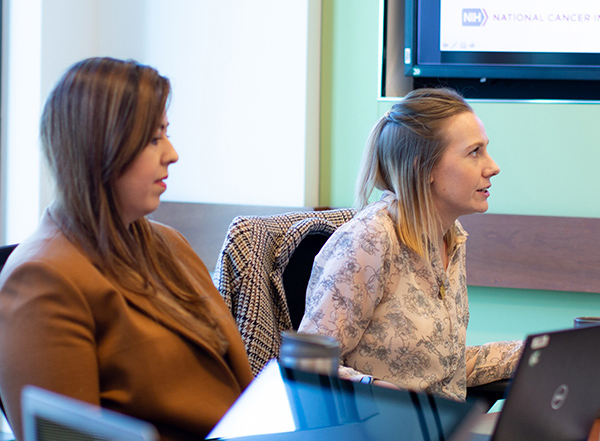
<point x="249" y="273"/>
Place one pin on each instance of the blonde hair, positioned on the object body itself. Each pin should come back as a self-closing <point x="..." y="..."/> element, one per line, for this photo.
<point x="403" y="148"/>
<point x="98" y="118"/>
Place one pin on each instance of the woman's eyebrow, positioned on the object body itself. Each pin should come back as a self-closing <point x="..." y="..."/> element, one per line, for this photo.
<point x="481" y="143"/>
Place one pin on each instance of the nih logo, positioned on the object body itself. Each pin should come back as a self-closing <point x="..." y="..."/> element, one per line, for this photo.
<point x="474" y="17"/>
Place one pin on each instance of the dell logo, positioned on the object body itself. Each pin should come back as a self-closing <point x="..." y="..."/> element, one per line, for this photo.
<point x="474" y="17"/>
<point x="559" y="397"/>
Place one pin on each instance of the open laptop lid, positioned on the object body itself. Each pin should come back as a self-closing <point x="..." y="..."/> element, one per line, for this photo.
<point x="289" y="404"/>
<point x="48" y="416"/>
<point x="555" y="393"/>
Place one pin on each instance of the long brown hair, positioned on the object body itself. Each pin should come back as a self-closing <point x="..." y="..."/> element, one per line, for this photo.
<point x="403" y="148"/>
<point x="98" y="118"/>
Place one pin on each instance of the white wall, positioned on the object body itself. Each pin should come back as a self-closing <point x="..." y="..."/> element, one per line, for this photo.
<point x="245" y="109"/>
<point x="239" y="75"/>
<point x="21" y="70"/>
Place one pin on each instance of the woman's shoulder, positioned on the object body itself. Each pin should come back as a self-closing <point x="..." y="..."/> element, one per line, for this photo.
<point x="49" y="259"/>
<point x="179" y="245"/>
<point x="170" y="236"/>
<point x="165" y="230"/>
<point x="371" y="227"/>
<point x="47" y="245"/>
<point x="373" y="217"/>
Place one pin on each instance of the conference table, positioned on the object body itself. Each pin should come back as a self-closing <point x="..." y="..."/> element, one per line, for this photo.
<point x="306" y="406"/>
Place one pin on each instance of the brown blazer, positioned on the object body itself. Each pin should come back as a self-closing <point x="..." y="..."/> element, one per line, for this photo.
<point x="67" y="328"/>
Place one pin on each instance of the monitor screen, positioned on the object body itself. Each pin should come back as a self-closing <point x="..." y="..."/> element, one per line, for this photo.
<point x="526" y="44"/>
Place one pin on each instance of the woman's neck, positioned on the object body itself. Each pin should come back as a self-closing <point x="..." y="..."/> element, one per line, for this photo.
<point x="442" y="246"/>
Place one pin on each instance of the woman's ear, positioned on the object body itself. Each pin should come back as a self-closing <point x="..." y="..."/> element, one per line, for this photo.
<point x="416" y="167"/>
<point x="432" y="174"/>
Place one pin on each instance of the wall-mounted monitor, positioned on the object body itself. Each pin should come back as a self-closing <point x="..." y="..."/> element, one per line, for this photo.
<point x="527" y="49"/>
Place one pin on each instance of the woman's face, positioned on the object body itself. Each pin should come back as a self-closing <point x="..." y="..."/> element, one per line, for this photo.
<point x="138" y="190"/>
<point x="460" y="182"/>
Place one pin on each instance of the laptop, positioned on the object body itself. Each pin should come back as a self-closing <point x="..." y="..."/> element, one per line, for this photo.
<point x="555" y="392"/>
<point x="290" y="404"/>
<point x="48" y="416"/>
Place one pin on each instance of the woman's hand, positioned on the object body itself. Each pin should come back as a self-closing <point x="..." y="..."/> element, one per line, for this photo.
<point x="386" y="384"/>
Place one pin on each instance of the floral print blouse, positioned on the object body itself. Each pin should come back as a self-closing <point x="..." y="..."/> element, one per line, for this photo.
<point x="397" y="316"/>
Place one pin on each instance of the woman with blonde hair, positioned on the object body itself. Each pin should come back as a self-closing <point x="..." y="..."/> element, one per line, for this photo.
<point x="100" y="303"/>
<point x="390" y="284"/>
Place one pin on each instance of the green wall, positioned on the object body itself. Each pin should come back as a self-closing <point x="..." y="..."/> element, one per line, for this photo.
<point x="548" y="153"/>
<point x="349" y="90"/>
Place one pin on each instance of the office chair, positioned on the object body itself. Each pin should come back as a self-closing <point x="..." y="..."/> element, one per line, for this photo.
<point x="297" y="274"/>
<point x="5" y="251"/>
<point x="249" y="273"/>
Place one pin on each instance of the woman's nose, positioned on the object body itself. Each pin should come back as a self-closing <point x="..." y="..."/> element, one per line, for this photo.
<point x="492" y="168"/>
<point x="171" y="155"/>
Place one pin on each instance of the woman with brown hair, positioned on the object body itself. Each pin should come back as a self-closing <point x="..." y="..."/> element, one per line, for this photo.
<point x="390" y="284"/>
<point x="101" y="304"/>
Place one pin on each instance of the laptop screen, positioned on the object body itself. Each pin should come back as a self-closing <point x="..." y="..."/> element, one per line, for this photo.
<point x="48" y="416"/>
<point x="292" y="404"/>
<point x="554" y="395"/>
